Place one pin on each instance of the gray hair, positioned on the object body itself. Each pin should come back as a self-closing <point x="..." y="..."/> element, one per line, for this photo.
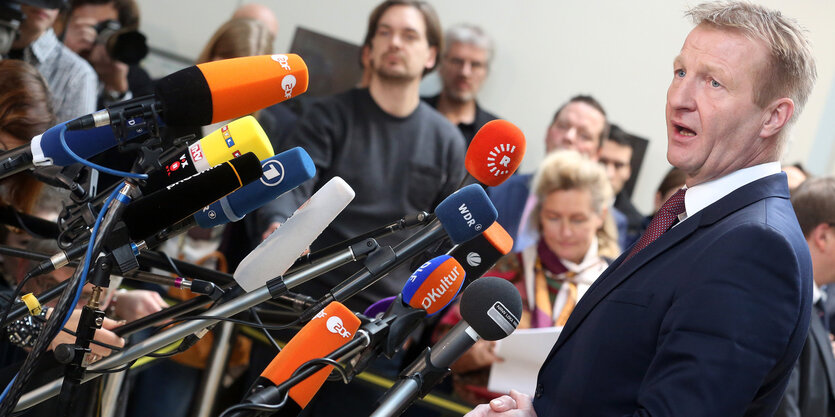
<point x="469" y="34"/>
<point x="792" y="70"/>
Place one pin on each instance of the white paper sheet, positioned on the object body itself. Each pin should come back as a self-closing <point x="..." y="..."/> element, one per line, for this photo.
<point x="523" y="351"/>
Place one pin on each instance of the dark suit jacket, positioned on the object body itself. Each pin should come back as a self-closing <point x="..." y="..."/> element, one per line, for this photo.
<point x="708" y="320"/>
<point x="811" y="389"/>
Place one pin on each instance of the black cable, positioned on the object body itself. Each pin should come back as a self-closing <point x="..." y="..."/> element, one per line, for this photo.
<point x="266" y="332"/>
<point x="255" y="407"/>
<point x="172" y="264"/>
<point x="122" y="368"/>
<point x="238" y="321"/>
<point x="15" y="296"/>
<point x="95" y="342"/>
<point x="340" y="368"/>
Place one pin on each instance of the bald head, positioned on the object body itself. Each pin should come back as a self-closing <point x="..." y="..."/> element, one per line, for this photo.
<point x="260" y="13"/>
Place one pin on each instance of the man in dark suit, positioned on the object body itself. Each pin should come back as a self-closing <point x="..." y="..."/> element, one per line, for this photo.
<point x="708" y="317"/>
<point x="811" y="389"/>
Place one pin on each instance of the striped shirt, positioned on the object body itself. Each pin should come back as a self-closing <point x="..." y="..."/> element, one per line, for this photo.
<point x="70" y="78"/>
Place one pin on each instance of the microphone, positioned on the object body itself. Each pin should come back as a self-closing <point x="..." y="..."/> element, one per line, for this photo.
<point x="434" y="284"/>
<point x="195" y="96"/>
<point x="330" y="329"/>
<point x="490" y="308"/>
<point x="230" y="141"/>
<point x="462" y="215"/>
<point x="215" y="91"/>
<point x="428" y="290"/>
<point x="165" y="207"/>
<point x="274" y="256"/>
<point x="479" y="254"/>
<point x="280" y="174"/>
<point x="495" y="152"/>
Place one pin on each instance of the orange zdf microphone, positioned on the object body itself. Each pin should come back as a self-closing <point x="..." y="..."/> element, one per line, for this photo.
<point x="211" y="92"/>
<point x="495" y="152"/>
<point x="333" y="327"/>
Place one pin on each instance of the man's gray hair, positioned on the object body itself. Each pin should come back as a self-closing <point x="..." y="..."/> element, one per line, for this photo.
<point x="469" y="34"/>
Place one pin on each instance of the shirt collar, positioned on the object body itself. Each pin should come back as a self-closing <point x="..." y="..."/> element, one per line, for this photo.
<point x="702" y="195"/>
<point x="44" y="45"/>
<point x="817" y="294"/>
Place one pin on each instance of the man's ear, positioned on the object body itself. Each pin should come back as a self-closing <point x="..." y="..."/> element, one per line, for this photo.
<point x="777" y="115"/>
<point x="433" y="57"/>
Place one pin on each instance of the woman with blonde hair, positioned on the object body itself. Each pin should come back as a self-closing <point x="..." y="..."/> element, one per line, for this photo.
<point x="237" y="38"/>
<point x="577" y="241"/>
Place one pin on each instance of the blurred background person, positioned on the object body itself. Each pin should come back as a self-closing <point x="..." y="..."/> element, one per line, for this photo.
<point x="616" y="156"/>
<point x="464" y="66"/>
<point x="89" y="26"/>
<point x="71" y="80"/>
<point x="811" y="388"/>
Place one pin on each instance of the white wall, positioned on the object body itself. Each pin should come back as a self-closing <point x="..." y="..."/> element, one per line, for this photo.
<point x="547" y="51"/>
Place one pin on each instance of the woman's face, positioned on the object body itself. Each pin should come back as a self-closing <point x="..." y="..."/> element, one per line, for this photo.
<point x="569" y="223"/>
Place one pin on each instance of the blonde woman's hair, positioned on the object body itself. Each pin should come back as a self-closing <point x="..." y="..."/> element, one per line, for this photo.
<point x="569" y="170"/>
<point x="237" y="38"/>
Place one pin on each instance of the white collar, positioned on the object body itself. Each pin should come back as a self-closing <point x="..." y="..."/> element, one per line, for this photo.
<point x="44" y="46"/>
<point x="702" y="195"/>
<point x="817" y="294"/>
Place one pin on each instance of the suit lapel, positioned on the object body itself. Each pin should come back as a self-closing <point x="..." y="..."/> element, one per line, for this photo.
<point x="616" y="274"/>
<point x="821" y="339"/>
<point x="773" y="185"/>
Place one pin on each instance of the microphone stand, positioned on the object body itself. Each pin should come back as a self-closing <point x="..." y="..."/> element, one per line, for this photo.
<point x="274" y="288"/>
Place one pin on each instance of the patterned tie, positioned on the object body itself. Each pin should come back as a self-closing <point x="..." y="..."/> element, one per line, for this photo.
<point x="661" y="222"/>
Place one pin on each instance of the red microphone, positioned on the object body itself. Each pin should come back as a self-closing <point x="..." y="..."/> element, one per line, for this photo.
<point x="495" y="152"/>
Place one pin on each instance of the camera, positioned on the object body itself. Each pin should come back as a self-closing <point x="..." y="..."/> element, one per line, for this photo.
<point x="124" y="45"/>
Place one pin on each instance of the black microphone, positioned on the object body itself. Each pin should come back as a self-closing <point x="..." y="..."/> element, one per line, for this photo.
<point x="490" y="307"/>
<point x="175" y="202"/>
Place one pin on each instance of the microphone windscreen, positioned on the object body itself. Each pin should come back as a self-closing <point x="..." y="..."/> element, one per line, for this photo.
<point x="492" y="306"/>
<point x="434" y="284"/>
<point x="160" y="209"/>
<point x="334" y="326"/>
<point x="495" y="152"/>
<point x="498" y="237"/>
<point x="274" y="256"/>
<point x="221" y="90"/>
<point x="231" y="141"/>
<point x="280" y="174"/>
<point x="85" y="143"/>
<point x="379" y="307"/>
<point x="479" y="254"/>
<point x="466" y="213"/>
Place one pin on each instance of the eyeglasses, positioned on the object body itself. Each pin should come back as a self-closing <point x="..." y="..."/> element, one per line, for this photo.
<point x="459" y="63"/>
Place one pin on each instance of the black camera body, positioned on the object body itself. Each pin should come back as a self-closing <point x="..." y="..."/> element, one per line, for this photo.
<point x="124" y="45"/>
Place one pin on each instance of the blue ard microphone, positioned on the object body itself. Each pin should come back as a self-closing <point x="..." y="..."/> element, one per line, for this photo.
<point x="281" y="173"/>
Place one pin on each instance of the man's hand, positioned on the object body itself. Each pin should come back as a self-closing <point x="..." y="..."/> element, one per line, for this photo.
<point x="514" y="405"/>
<point x="80" y="35"/>
<point x="113" y="74"/>
<point x="103" y="335"/>
<point x="135" y="304"/>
